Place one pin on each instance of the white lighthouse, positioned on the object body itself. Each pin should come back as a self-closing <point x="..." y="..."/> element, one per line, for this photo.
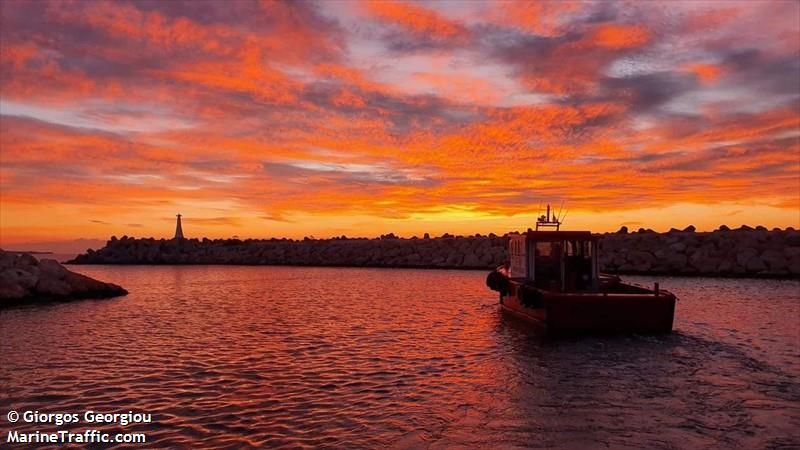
<point x="178" y="229"/>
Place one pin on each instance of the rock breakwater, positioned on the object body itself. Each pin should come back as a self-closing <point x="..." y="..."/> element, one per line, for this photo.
<point x="741" y="252"/>
<point x="25" y="279"/>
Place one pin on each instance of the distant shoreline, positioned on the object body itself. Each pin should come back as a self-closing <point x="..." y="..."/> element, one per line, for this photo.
<point x="740" y="253"/>
<point x="30" y="252"/>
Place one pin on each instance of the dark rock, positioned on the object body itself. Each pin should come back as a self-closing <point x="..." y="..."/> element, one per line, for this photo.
<point x="470" y="260"/>
<point x="24" y="260"/>
<point x="724" y="228"/>
<point x="678" y="247"/>
<point x="744" y="255"/>
<point x="756" y="264"/>
<point x="791" y="252"/>
<point x="689" y="229"/>
<point x="640" y="261"/>
<point x="703" y="261"/>
<point x="24" y="279"/>
<point x="50" y="268"/>
<point x="54" y="287"/>
<point x="774" y="259"/>
<point x="725" y="266"/>
<point x="623" y="230"/>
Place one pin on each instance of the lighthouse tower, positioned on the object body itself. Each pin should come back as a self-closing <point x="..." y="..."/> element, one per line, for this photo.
<point x="178" y="229"/>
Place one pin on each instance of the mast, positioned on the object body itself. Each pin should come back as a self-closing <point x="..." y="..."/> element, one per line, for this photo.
<point x="548" y="220"/>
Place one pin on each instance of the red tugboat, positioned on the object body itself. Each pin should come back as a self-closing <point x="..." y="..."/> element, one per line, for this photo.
<point x="553" y="280"/>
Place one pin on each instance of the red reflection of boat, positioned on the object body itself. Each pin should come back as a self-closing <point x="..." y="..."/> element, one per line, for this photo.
<point x="552" y="279"/>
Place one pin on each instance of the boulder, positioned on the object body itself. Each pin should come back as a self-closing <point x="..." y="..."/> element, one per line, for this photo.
<point x="725" y="266"/>
<point x="791" y="252"/>
<point x="19" y="277"/>
<point x="12" y="292"/>
<point x="470" y="260"/>
<point x="794" y="266"/>
<point x="774" y="259"/>
<point x="52" y="286"/>
<point x="678" y="247"/>
<point x="703" y="261"/>
<point x="486" y="259"/>
<point x="25" y="260"/>
<point x="454" y="259"/>
<point x="744" y="255"/>
<point x="755" y="265"/>
<point x="50" y="268"/>
<point x="24" y="279"/>
<point x="676" y="262"/>
<point x="6" y="261"/>
<point x="640" y="261"/>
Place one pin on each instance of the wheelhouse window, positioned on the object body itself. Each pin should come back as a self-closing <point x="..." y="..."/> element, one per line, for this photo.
<point x="544" y="249"/>
<point x="547" y="264"/>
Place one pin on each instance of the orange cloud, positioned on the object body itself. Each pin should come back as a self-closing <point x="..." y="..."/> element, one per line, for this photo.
<point x="543" y="18"/>
<point x="706" y="73"/>
<point x="619" y="36"/>
<point x="415" y="18"/>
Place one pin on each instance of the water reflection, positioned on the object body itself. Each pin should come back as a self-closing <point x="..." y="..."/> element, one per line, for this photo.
<point x="249" y="357"/>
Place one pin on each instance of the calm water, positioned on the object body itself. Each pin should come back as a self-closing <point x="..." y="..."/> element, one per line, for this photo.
<point x="246" y="357"/>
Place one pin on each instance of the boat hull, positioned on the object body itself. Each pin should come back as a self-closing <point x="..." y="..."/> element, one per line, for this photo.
<point x="577" y="313"/>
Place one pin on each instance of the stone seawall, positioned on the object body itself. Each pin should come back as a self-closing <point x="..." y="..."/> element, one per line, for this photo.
<point x="740" y="252"/>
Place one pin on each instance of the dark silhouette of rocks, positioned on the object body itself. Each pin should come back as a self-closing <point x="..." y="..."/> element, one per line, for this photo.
<point x="728" y="253"/>
<point x="24" y="279"/>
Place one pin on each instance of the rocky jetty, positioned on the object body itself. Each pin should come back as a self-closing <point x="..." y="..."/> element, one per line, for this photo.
<point x="731" y="253"/>
<point x="754" y="252"/>
<point x="25" y="279"/>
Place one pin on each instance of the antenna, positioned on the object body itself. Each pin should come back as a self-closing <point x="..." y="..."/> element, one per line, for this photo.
<point x="548" y="220"/>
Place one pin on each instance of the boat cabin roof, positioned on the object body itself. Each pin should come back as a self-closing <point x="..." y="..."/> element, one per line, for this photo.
<point x="553" y="236"/>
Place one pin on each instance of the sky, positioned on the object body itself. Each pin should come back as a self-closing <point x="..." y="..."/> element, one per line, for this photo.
<point x="327" y="118"/>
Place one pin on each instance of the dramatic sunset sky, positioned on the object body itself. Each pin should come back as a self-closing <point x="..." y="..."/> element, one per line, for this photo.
<point x="324" y="118"/>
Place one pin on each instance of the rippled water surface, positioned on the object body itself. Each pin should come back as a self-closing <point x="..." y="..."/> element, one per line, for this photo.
<point x="264" y="357"/>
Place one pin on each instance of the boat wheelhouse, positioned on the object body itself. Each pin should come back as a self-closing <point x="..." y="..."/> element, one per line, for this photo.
<point x="552" y="279"/>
